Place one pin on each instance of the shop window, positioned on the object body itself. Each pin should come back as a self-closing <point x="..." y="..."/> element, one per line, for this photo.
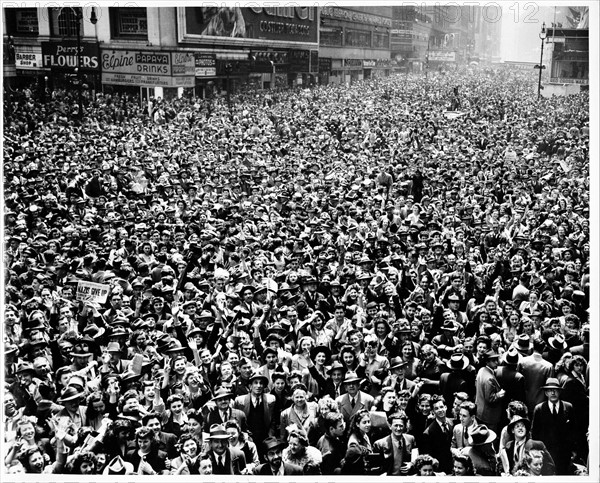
<point x="63" y="21"/>
<point x="358" y="38"/>
<point x="381" y="40"/>
<point x="131" y="23"/>
<point x="331" y="36"/>
<point x="21" y="21"/>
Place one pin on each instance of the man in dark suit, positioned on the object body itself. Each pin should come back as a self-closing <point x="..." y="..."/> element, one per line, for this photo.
<point x="332" y="444"/>
<point x="510" y="379"/>
<point x="576" y="391"/>
<point x="258" y="408"/>
<point x="354" y="400"/>
<point x="220" y="411"/>
<point x="552" y="425"/>
<point x="225" y="460"/>
<point x="488" y="393"/>
<point x="437" y="437"/>
<point x="275" y="465"/>
<point x="398" y="449"/>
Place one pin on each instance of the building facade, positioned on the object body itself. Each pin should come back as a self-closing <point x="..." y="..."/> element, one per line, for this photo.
<point x="161" y="51"/>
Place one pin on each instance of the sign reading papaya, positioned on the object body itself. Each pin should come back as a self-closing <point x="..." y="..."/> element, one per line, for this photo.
<point x="63" y="55"/>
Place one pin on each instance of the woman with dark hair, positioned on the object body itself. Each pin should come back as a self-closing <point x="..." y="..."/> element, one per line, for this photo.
<point x="84" y="463"/>
<point x="409" y="355"/>
<point x="349" y="359"/>
<point x="463" y="466"/>
<point x="240" y="441"/>
<point x="385" y="404"/>
<point x="426" y="465"/>
<point x="359" y="428"/>
<point x="188" y="461"/>
<point x="147" y="459"/>
<point x="96" y="408"/>
<point x="138" y="343"/>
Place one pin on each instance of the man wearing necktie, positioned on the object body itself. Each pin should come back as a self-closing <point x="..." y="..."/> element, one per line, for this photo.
<point x="552" y="425"/>
<point x="437" y="437"/>
<point x="225" y="460"/>
<point x="399" y="449"/>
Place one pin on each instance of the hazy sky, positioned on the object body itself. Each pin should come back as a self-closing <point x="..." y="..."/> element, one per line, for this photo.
<point x="521" y="25"/>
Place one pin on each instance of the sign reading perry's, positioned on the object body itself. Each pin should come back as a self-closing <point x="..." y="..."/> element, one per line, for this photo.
<point x="63" y="55"/>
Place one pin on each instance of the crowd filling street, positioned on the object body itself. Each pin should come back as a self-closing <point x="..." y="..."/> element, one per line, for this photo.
<point x="335" y="280"/>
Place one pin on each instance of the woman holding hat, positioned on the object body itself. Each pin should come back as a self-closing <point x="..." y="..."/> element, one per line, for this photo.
<point x="512" y="456"/>
<point x="315" y="376"/>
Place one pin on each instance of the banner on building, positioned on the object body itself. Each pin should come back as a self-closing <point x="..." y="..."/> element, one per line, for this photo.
<point x="251" y="25"/>
<point x="206" y="65"/>
<point x="442" y="56"/>
<point x="92" y="292"/>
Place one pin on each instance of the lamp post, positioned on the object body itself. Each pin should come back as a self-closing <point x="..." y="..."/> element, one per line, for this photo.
<point x="45" y="88"/>
<point x="541" y="66"/>
<point x="228" y="68"/>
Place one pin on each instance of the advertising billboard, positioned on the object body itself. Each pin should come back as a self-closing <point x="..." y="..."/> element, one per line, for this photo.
<point x="63" y="55"/>
<point x="250" y="25"/>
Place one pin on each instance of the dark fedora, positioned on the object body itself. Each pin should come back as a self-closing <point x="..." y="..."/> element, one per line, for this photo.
<point x="397" y="362"/>
<point x="458" y="362"/>
<point x="449" y="325"/>
<point x="480" y="434"/>
<point x="273" y="443"/>
<point x="70" y="393"/>
<point x="511" y="356"/>
<point x="552" y="383"/>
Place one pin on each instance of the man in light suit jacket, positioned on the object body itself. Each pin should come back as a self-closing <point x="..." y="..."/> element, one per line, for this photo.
<point x="488" y="393"/>
<point x="258" y="408"/>
<point x="399" y="450"/>
<point x="225" y="460"/>
<point x="535" y="370"/>
<point x="466" y="415"/>
<point x="552" y="425"/>
<point x="275" y="466"/>
<point x="354" y="400"/>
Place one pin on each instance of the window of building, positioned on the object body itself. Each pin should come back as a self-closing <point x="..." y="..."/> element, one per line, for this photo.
<point x="358" y="38"/>
<point x="381" y="40"/>
<point x="129" y="23"/>
<point x="21" y="21"/>
<point x="63" y="21"/>
<point x="331" y="36"/>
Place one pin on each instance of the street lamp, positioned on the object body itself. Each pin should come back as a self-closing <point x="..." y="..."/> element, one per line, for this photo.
<point x="427" y="56"/>
<point x="228" y="69"/>
<point x="541" y="66"/>
<point x="45" y="88"/>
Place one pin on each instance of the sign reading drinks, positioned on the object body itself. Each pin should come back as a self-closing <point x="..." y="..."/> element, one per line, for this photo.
<point x="63" y="55"/>
<point x="148" y="68"/>
<point x="286" y="24"/>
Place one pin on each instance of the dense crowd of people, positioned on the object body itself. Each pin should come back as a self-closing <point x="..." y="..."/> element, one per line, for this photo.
<point x="338" y="280"/>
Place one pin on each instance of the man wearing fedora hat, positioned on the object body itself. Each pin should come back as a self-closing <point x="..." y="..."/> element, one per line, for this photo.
<point x="552" y="423"/>
<point x="488" y="392"/>
<point x="275" y="466"/>
<point x="354" y="400"/>
<point x="480" y="450"/>
<point x="510" y="379"/>
<point x="258" y="407"/>
<point x="71" y="398"/>
<point x="220" y="411"/>
<point x="535" y="370"/>
<point x="225" y="460"/>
